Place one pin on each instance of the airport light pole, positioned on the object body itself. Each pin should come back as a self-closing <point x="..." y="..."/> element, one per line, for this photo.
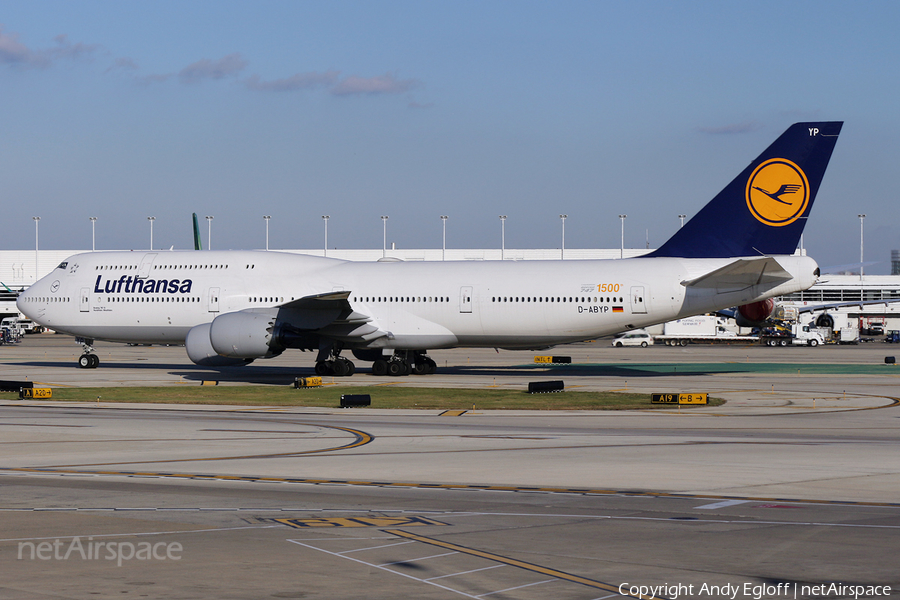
<point x="502" y="237"/>
<point x="444" y="238"/>
<point x="209" y="232"/>
<point x="93" y="237"/>
<point x="151" y="219"/>
<point x="682" y="219"/>
<point x="384" y="236"/>
<point x="36" y="221"/>
<point x="266" y="219"/>
<point x="325" y="219"/>
<point x="562" y="253"/>
<point x="622" y="251"/>
<point x="861" y="267"/>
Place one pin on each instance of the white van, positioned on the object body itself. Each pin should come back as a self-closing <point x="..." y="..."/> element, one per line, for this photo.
<point x="638" y="337"/>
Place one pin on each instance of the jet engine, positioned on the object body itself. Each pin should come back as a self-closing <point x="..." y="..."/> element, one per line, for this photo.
<point x="200" y="350"/>
<point x="755" y="313"/>
<point x="245" y="335"/>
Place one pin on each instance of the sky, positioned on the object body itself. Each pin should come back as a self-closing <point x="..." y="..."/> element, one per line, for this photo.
<point x="413" y="110"/>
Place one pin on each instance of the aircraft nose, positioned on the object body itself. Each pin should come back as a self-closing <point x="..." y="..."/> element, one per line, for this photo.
<point x="21" y="302"/>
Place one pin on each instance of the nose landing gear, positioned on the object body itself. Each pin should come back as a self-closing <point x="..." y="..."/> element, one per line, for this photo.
<point x="88" y="360"/>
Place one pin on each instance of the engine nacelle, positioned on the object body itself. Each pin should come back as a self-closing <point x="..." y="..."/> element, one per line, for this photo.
<point x="244" y="335"/>
<point x="755" y="313"/>
<point x="200" y="350"/>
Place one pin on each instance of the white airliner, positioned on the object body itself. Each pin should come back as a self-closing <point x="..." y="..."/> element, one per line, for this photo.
<point x="231" y="307"/>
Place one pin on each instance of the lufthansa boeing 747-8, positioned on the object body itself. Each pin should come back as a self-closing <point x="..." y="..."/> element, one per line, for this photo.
<point x="231" y="307"/>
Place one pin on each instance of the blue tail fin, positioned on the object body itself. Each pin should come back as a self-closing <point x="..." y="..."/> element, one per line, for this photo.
<point x="764" y="209"/>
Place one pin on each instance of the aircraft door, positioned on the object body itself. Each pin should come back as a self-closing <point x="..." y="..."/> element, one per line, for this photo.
<point x="638" y="305"/>
<point x="214" y="299"/>
<point x="85" y="304"/>
<point x="465" y="299"/>
<point x="146" y="263"/>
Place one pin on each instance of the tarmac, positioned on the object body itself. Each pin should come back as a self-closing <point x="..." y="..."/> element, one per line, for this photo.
<point x="791" y="486"/>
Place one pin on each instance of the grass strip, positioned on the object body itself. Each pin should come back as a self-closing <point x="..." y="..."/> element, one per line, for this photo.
<point x="382" y="397"/>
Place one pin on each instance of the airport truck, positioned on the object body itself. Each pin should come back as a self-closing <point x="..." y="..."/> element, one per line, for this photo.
<point x="798" y="335"/>
<point x="702" y="329"/>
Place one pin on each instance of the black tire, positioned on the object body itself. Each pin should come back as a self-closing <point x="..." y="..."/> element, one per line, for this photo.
<point x="84" y="361"/>
<point x="643" y="344"/>
<point x="432" y="367"/>
<point x="395" y="368"/>
<point x="339" y="368"/>
<point x="782" y="343"/>
<point x="420" y="368"/>
<point x="813" y="343"/>
<point x="351" y="368"/>
<point x="95" y="361"/>
<point x="618" y="344"/>
<point x="379" y="367"/>
<point x="322" y="368"/>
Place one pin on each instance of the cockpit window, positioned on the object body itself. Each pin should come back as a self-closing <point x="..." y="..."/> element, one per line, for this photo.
<point x="63" y="265"/>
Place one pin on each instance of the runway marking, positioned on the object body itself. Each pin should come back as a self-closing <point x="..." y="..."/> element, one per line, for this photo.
<point x="453" y="413"/>
<point x="722" y="504"/>
<point x="438" y="486"/>
<point x="361" y="438"/>
<point x="359" y="522"/>
<point x="514" y="563"/>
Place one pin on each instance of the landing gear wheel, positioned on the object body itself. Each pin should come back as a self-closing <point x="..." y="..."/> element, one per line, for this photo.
<point x="420" y="368"/>
<point x="379" y="367"/>
<point x="95" y="361"/>
<point x="339" y="368"/>
<point x="432" y="366"/>
<point x="351" y="368"/>
<point x="395" y="368"/>
<point x="85" y="362"/>
<point x="323" y="368"/>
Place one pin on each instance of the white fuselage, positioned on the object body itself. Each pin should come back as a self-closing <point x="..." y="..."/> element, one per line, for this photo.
<point x="157" y="297"/>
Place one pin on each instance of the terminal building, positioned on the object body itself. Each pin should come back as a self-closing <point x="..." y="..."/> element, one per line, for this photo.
<point x="833" y="294"/>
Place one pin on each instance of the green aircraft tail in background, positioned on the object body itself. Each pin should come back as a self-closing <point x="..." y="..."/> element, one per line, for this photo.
<point x="197" y="244"/>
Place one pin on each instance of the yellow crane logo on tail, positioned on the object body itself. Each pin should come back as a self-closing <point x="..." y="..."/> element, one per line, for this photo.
<point x="777" y="192"/>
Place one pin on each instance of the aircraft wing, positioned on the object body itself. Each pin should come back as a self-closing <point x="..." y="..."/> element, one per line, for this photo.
<point x="823" y="306"/>
<point x="329" y="314"/>
<point x="742" y="273"/>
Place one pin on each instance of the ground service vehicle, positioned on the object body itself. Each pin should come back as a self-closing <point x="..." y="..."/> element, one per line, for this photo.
<point x="702" y="329"/>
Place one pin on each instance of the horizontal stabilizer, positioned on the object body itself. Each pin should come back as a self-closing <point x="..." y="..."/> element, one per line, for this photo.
<point x="742" y="273"/>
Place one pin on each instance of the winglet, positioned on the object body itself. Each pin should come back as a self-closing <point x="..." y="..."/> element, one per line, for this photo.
<point x="764" y="209"/>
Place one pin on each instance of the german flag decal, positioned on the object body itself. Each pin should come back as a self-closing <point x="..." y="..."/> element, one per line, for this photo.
<point x="618" y="309"/>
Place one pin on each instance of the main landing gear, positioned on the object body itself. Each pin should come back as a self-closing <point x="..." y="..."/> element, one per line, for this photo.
<point x="88" y="360"/>
<point x="330" y="362"/>
<point x="404" y="362"/>
<point x="339" y="367"/>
